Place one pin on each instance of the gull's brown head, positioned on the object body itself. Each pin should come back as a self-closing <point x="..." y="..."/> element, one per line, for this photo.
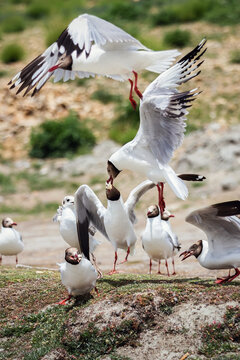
<point x="153" y="211"/>
<point x="73" y="256"/>
<point x="195" y="250"/>
<point x="111" y="192"/>
<point x="7" y="222"/>
<point x="166" y="215"/>
<point x="64" y="62"/>
<point x="112" y="172"/>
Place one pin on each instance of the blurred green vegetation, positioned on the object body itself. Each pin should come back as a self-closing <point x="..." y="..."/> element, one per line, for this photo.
<point x="16" y="14"/>
<point x="60" y="138"/>
<point x="177" y="37"/>
<point x="12" y="53"/>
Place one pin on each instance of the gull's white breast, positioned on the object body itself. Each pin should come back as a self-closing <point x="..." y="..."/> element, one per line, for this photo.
<point x="10" y="242"/>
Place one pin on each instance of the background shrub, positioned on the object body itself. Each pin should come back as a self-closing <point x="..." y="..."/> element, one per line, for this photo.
<point x="12" y="53"/>
<point x="179" y="38"/>
<point x="60" y="138"/>
<point x="13" y="24"/>
<point x="235" y="57"/>
<point x="38" y="10"/>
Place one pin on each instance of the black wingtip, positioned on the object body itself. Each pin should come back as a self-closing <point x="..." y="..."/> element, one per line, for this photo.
<point x="10" y="82"/>
<point x="228" y="208"/>
<point x="192" y="177"/>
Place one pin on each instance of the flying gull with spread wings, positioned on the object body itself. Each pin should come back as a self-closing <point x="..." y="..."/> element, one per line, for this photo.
<point x="163" y="111"/>
<point x="92" y="46"/>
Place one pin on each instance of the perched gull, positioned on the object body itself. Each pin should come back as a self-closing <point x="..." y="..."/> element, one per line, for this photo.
<point x="92" y="46"/>
<point x="158" y="239"/>
<point x="162" y="125"/>
<point x="222" y="248"/>
<point x="77" y="274"/>
<point x="66" y="216"/>
<point x="10" y="240"/>
<point x="115" y="222"/>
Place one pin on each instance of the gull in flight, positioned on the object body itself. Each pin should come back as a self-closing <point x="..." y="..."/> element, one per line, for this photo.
<point x="92" y="46"/>
<point x="163" y="111"/>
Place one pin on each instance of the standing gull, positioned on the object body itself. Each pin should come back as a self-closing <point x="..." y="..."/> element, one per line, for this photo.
<point x="115" y="222"/>
<point x="10" y="240"/>
<point x="77" y="274"/>
<point x="92" y="46"/>
<point x="162" y="125"/>
<point x="221" y="224"/>
<point x="158" y="239"/>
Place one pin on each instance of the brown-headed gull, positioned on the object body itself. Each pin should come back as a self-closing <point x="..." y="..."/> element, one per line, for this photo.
<point x="10" y="239"/>
<point x="92" y="46"/>
<point x="221" y="224"/>
<point x="115" y="222"/>
<point x="77" y="274"/>
<point x="158" y="239"/>
<point x="162" y="126"/>
<point x="66" y="217"/>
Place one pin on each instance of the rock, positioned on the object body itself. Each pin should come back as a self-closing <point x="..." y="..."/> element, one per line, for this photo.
<point x="229" y="183"/>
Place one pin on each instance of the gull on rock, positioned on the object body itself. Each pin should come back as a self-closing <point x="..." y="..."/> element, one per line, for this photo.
<point x="92" y="46"/>
<point x="77" y="274"/>
<point x="158" y="239"/>
<point x="66" y="217"/>
<point x="115" y="222"/>
<point x="221" y="223"/>
<point x="162" y="126"/>
<point x="10" y="239"/>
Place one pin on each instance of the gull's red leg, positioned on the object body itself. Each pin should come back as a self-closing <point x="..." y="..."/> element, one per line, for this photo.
<point x="150" y="266"/>
<point x="16" y="260"/>
<point x="166" y="264"/>
<point x="63" y="302"/>
<point x="228" y="278"/>
<point x="96" y="289"/>
<point x="159" y="264"/>
<point x="126" y="258"/>
<point x="132" y="101"/>
<point x="0" y="259"/>
<point x="173" y="264"/>
<point x="137" y="91"/>
<point x="161" y="201"/>
<point x="114" y="271"/>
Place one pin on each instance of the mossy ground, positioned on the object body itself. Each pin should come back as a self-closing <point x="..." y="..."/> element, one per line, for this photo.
<point x="92" y="327"/>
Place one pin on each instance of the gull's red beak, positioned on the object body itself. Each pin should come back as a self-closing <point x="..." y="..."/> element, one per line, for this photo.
<point x="186" y="254"/>
<point x="110" y="180"/>
<point x="14" y="223"/>
<point x="53" y="68"/>
<point x="171" y="215"/>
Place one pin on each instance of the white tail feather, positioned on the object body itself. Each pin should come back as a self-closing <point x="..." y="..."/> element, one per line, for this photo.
<point x="176" y="184"/>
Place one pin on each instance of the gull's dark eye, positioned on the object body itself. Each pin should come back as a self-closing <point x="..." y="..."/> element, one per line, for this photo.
<point x="68" y="199"/>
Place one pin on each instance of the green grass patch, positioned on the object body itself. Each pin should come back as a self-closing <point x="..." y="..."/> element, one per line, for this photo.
<point x="7" y="185"/>
<point x="13" y="24"/>
<point x="105" y="97"/>
<point x="12" y="53"/>
<point x="61" y="138"/>
<point x="221" y="338"/>
<point x="235" y="57"/>
<point x="47" y="208"/>
<point x="38" y="9"/>
<point x="36" y="181"/>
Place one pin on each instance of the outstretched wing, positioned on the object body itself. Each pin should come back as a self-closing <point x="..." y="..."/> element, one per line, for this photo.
<point x="78" y="37"/>
<point x="134" y="197"/>
<point x="219" y="223"/>
<point x="89" y="209"/>
<point x="163" y="109"/>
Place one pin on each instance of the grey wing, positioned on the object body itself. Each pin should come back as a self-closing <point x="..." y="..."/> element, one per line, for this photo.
<point x="89" y="209"/>
<point x="57" y="216"/>
<point x="87" y="29"/>
<point x="162" y="121"/>
<point x="219" y="223"/>
<point x="163" y="109"/>
<point x="134" y="197"/>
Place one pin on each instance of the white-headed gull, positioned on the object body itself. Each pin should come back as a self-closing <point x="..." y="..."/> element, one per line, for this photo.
<point x="162" y="126"/>
<point x="158" y="239"/>
<point x="92" y="46"/>
<point x="115" y="222"/>
<point x="66" y="217"/>
<point x="77" y="274"/>
<point x="10" y="239"/>
<point x="222" y="227"/>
